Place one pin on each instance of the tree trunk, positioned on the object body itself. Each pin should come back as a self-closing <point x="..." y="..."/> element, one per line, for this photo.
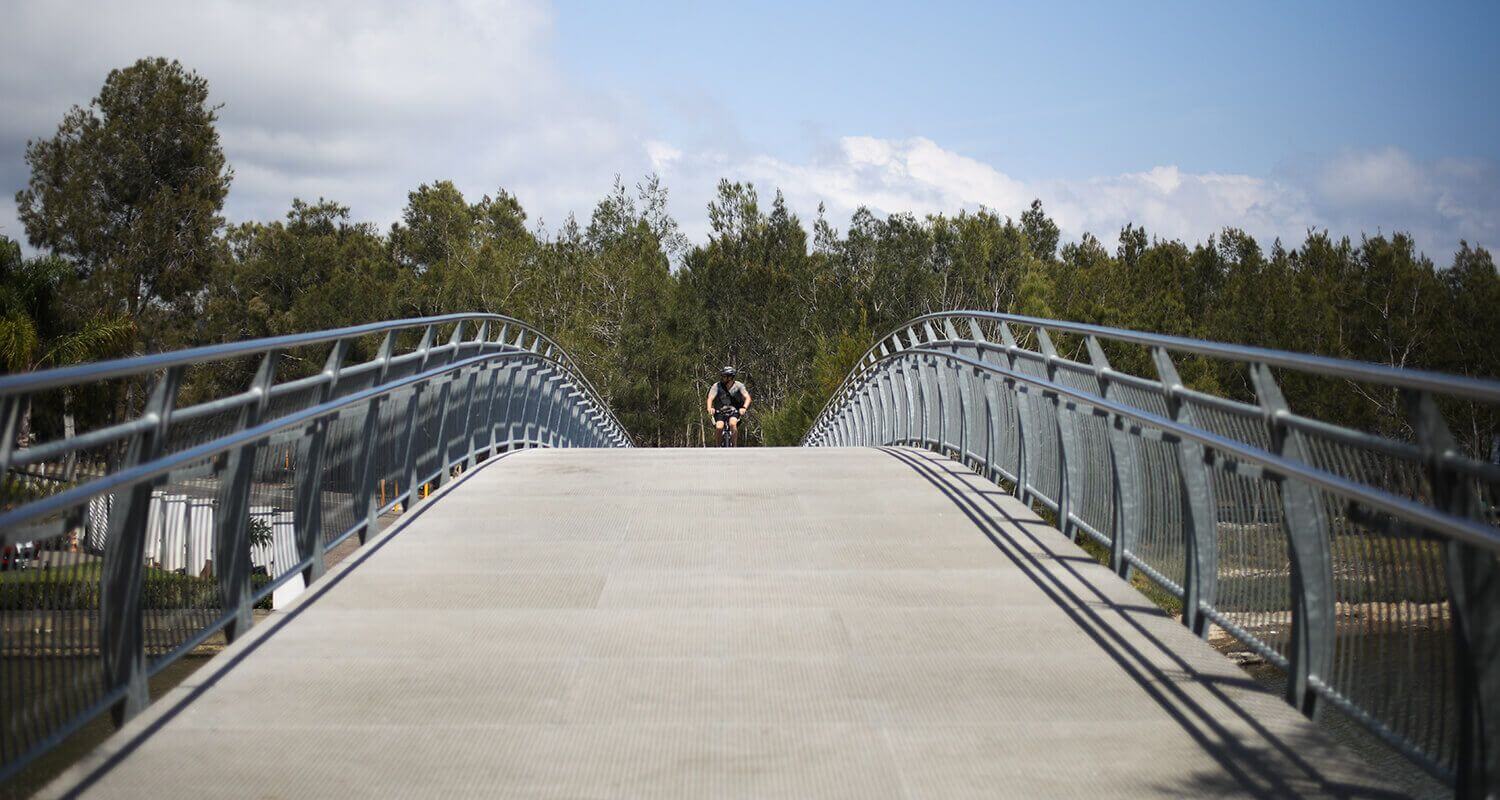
<point x="23" y="428"/>
<point x="70" y="429"/>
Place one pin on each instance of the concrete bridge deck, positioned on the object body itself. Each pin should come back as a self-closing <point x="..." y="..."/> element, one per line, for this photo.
<point x="700" y="623"/>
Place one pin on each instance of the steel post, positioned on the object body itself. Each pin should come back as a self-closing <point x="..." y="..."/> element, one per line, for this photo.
<point x="1068" y="457"/>
<point x="1199" y="514"/>
<point x="1125" y="472"/>
<point x="120" y="631"/>
<point x="1474" y="597"/>
<point x="1026" y="457"/>
<point x="307" y="514"/>
<point x="232" y="509"/>
<point x="369" y="449"/>
<point x="1313" y="622"/>
<point x="413" y="407"/>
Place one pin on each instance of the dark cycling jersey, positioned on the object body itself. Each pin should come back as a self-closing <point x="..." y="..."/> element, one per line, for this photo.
<point x="734" y="397"/>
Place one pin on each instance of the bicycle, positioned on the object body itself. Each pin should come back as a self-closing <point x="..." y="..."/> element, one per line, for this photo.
<point x="726" y="436"/>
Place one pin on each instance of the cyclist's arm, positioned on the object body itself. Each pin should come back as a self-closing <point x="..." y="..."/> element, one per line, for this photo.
<point x="746" y="407"/>
<point x="711" y="392"/>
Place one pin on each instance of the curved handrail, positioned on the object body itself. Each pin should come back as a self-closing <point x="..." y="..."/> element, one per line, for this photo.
<point x="1437" y="521"/>
<point x="192" y="516"/>
<point x="1250" y="494"/>
<point x="23" y="384"/>
<point x="1487" y="391"/>
<point x="41" y="380"/>
<point x="74" y="496"/>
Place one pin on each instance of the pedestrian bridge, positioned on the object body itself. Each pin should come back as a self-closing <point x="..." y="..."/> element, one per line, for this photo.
<point x="475" y="596"/>
<point x="860" y="623"/>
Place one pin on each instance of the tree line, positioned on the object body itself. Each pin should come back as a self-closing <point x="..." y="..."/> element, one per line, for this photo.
<point x="125" y="204"/>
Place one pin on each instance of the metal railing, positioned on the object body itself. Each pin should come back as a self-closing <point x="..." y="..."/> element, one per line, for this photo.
<point x="1365" y="567"/>
<point x="219" y="487"/>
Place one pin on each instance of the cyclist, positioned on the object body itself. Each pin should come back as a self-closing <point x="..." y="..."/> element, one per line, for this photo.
<point x="728" y="400"/>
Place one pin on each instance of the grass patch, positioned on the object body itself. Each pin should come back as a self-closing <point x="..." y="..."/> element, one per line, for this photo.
<point x="1162" y="598"/>
<point x="52" y="763"/>
<point x="77" y="588"/>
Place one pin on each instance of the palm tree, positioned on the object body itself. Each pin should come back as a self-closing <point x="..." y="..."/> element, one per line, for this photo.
<point x="32" y="334"/>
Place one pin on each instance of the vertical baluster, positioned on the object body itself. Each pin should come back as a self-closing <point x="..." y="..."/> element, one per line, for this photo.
<point x="882" y="400"/>
<point x="565" y="415"/>
<point x="232" y="512"/>
<point x="852" y="411"/>
<point x="1069" y="458"/>
<point x="540" y="396"/>
<point x="121" y="638"/>
<point x="539" y="408"/>
<point x="866" y="411"/>
<point x="496" y="369"/>
<point x="1199" y="513"/>
<point x="470" y="451"/>
<point x="547" y="380"/>
<point x="307" y="514"/>
<point x="520" y="384"/>
<point x="369" y="453"/>
<point x="1026" y="457"/>
<point x="933" y="387"/>
<point x="1313" y="622"/>
<point x="850" y="420"/>
<point x="916" y="408"/>
<point x="555" y="412"/>
<point x="441" y="452"/>
<point x="892" y="403"/>
<point x="842" y="411"/>
<point x="900" y="401"/>
<point x="960" y="391"/>
<point x="504" y="418"/>
<point x="1124" y="455"/>
<point x="991" y="424"/>
<point x="413" y="410"/>
<point x="1474" y="596"/>
<point x="522" y="425"/>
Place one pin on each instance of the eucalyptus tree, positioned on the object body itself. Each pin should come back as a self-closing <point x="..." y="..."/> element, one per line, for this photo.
<point x="129" y="190"/>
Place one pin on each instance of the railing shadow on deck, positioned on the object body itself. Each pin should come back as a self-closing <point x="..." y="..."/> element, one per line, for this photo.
<point x="167" y="708"/>
<point x="1361" y="561"/>
<point x="1267" y="763"/>
<point x="217" y="480"/>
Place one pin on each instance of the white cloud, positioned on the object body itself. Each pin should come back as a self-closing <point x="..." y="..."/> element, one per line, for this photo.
<point x="662" y="155"/>
<point x="1177" y="205"/>
<point x="355" y="101"/>
<point x="1354" y="192"/>
<point x="360" y="102"/>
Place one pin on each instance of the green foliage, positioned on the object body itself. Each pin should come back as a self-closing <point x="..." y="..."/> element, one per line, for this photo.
<point x="125" y="200"/>
<point x="34" y="329"/>
<point x="1041" y="232"/>
<point x="79" y="590"/>
<point x="260" y="533"/>
<point x="129" y="189"/>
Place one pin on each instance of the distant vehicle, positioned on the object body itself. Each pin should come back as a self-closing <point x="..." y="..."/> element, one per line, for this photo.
<point x="20" y="555"/>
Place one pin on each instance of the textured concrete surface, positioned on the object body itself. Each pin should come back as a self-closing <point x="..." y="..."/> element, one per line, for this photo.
<point x="701" y="623"/>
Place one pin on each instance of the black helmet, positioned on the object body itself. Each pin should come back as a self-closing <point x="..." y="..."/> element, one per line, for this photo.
<point x="727" y="372"/>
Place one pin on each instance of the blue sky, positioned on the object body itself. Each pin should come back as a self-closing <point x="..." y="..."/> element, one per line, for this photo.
<point x="1185" y="117"/>
<point x="1063" y="90"/>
